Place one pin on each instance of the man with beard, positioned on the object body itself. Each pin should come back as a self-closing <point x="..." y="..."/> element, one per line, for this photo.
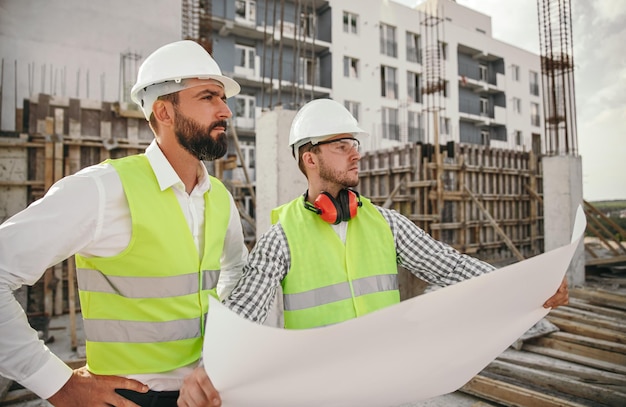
<point x="154" y="235"/>
<point x="333" y="252"/>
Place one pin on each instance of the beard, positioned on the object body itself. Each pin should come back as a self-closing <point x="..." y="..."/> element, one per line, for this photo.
<point x="197" y="140"/>
<point x="332" y="175"/>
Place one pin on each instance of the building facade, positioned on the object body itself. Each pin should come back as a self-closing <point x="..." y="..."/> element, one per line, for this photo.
<point x="432" y="74"/>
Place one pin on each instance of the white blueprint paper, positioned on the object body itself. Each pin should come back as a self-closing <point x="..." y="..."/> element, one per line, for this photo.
<point x="421" y="348"/>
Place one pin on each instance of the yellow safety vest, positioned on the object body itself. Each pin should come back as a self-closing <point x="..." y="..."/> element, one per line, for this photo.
<point x="329" y="282"/>
<point x="144" y="309"/>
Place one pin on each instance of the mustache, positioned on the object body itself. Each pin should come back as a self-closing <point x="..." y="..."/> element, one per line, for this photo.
<point x="219" y="123"/>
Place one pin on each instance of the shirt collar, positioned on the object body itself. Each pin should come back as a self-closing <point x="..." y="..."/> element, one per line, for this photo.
<point x="167" y="177"/>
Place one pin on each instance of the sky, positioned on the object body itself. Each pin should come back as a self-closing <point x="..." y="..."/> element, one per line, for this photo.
<point x="599" y="30"/>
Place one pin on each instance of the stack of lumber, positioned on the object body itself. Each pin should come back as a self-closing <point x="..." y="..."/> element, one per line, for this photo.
<point x="583" y="363"/>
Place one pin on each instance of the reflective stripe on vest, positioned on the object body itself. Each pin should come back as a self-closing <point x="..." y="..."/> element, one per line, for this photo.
<point x="141" y="331"/>
<point x="329" y="282"/>
<point x="146" y="287"/>
<point x="144" y="309"/>
<point x="340" y="291"/>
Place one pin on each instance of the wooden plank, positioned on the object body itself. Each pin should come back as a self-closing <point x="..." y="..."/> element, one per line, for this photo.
<point x="58" y="289"/>
<point x="596" y="309"/>
<point x="48" y="165"/>
<point x="591" y="342"/>
<point x="589" y="330"/>
<point x="581" y="360"/>
<point x="549" y="364"/>
<point x="71" y="300"/>
<point x="605" y="218"/>
<point x="497" y="228"/>
<point x="603" y="261"/>
<point x="601" y="321"/>
<point x="600" y="297"/>
<point x="512" y="395"/>
<point x="580" y="349"/>
<point x="555" y="382"/>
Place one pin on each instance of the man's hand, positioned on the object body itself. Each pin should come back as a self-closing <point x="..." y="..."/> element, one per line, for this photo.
<point x="561" y="297"/>
<point x="198" y="391"/>
<point x="87" y="389"/>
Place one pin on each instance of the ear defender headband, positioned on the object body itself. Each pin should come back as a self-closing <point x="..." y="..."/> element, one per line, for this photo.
<point x="333" y="210"/>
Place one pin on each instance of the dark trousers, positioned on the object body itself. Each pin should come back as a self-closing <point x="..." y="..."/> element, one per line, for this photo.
<point x="151" y="398"/>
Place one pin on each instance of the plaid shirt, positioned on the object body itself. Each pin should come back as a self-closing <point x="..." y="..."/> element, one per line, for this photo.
<point x="428" y="259"/>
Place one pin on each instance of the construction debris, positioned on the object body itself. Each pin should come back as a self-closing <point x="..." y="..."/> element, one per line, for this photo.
<point x="581" y="364"/>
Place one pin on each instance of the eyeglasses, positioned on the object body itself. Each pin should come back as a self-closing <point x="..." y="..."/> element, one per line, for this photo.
<point x="343" y="145"/>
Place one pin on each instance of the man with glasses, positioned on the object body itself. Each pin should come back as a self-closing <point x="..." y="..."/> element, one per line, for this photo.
<point x="333" y="252"/>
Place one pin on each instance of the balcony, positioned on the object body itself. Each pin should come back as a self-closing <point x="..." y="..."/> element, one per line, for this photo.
<point x="239" y="28"/>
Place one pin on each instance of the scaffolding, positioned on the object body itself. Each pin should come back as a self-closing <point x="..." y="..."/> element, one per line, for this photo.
<point x="433" y="98"/>
<point x="196" y="22"/>
<point x="557" y="76"/>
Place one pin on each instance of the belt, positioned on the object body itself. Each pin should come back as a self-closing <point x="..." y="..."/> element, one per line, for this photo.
<point x="151" y="398"/>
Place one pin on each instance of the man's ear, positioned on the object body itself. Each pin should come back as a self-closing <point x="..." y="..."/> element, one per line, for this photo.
<point x="163" y="112"/>
<point x="309" y="160"/>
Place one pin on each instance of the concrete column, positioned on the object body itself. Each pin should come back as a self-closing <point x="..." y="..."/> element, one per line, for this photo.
<point x="562" y="194"/>
<point x="278" y="180"/>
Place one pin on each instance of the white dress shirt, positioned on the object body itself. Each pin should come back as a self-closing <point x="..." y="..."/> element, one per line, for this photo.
<point x="87" y="213"/>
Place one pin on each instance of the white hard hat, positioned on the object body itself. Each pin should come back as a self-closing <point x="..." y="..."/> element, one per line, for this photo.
<point x="320" y="119"/>
<point x="168" y="66"/>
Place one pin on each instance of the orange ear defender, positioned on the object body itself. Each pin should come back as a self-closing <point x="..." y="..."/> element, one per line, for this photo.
<point x="333" y="210"/>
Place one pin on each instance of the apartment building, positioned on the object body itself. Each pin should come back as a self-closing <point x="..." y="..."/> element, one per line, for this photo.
<point x="398" y="69"/>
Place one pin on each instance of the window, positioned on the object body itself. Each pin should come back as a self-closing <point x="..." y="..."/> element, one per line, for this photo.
<point x="517" y="105"/>
<point x="413" y="49"/>
<point x="484" y="137"/>
<point x="245" y="10"/>
<point x="444" y="125"/>
<point x="518" y="138"/>
<point x="391" y="131"/>
<point x="350" y="22"/>
<point x="482" y="73"/>
<point x="353" y="107"/>
<point x="244" y="56"/>
<point x="515" y="72"/>
<point x="416" y="128"/>
<point x="484" y="106"/>
<point x="244" y="106"/>
<point x="534" y="114"/>
<point x="244" y="111"/>
<point x="413" y="84"/>
<point x="389" y="84"/>
<point x="388" y="45"/>
<point x="248" y="153"/>
<point x="307" y="24"/>
<point x="534" y="83"/>
<point x="308" y="71"/>
<point x="350" y="67"/>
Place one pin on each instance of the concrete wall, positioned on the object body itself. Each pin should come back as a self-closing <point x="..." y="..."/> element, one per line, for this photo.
<point x="72" y="48"/>
<point x="562" y="194"/>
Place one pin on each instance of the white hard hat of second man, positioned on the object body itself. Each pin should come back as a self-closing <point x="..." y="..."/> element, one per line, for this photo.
<point x="320" y="119"/>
